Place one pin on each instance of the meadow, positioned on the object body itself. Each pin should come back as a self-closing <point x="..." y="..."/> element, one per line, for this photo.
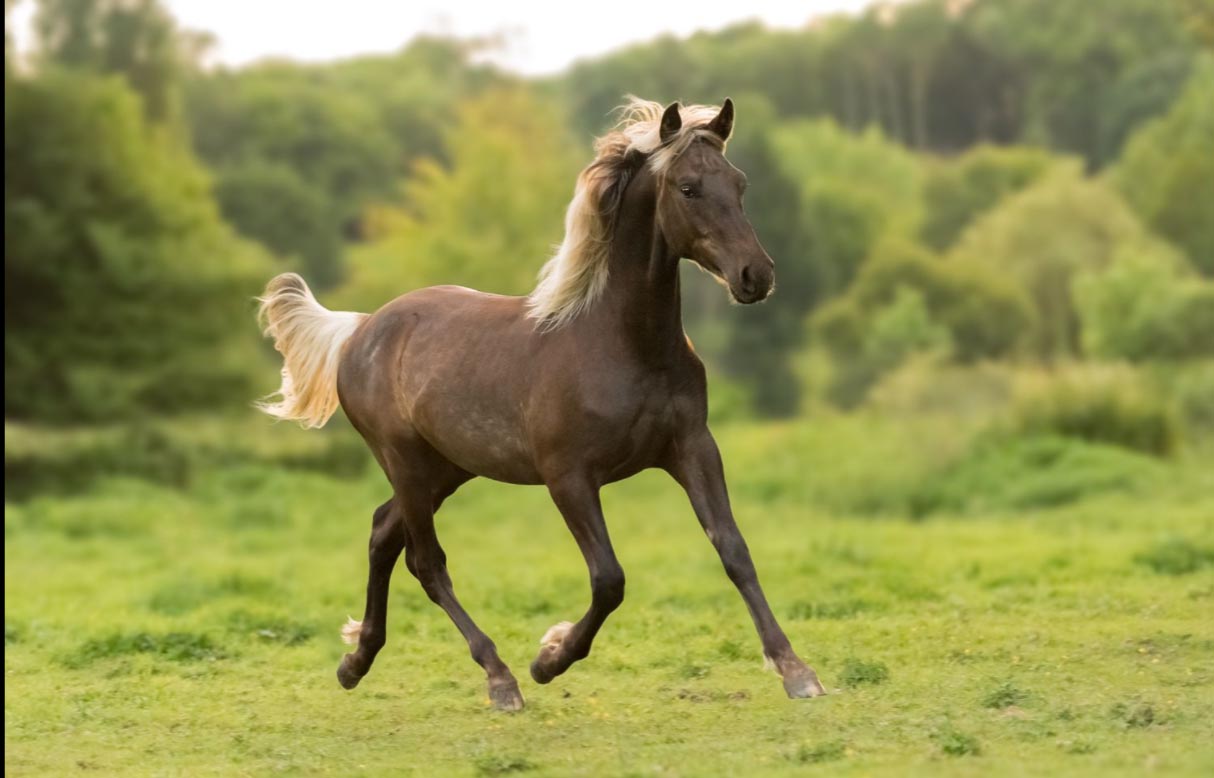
<point x="970" y="439"/>
<point x="188" y="625"/>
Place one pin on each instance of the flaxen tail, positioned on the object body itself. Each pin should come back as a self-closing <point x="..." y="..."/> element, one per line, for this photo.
<point x="310" y="338"/>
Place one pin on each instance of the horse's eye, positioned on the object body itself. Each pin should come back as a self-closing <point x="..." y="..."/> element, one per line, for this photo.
<point x="687" y="191"/>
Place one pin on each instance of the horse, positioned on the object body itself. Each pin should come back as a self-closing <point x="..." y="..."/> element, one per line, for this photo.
<point x="588" y="380"/>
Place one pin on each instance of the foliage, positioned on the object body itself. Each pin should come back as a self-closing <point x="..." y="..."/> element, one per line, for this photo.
<point x="40" y="460"/>
<point x="138" y="40"/>
<point x="1192" y="389"/>
<point x="763" y="338"/>
<point x="270" y="203"/>
<point x="1145" y="307"/>
<point x="960" y="190"/>
<point x="120" y="281"/>
<point x="967" y="311"/>
<point x="1100" y="404"/>
<point x="1027" y="472"/>
<point x="855" y="190"/>
<point x="487" y="221"/>
<point x="902" y="328"/>
<point x="1043" y="239"/>
<point x="1177" y="556"/>
<point x="323" y="143"/>
<point x="332" y="140"/>
<point x="1167" y="172"/>
<point x="931" y="74"/>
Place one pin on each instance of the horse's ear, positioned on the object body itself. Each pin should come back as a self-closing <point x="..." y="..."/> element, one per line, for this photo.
<point x="722" y="123"/>
<point x="672" y="122"/>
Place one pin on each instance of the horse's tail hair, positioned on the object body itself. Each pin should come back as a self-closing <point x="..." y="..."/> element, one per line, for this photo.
<point x="310" y="338"/>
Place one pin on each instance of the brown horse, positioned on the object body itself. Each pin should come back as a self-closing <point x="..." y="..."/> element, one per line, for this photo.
<point x="585" y="382"/>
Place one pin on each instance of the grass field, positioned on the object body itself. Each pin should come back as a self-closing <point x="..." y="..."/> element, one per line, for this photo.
<point x="1063" y="626"/>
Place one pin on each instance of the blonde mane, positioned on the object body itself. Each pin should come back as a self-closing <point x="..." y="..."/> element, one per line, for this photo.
<point x="577" y="274"/>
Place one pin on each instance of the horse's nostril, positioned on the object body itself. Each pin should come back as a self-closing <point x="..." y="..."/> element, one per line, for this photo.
<point x="746" y="280"/>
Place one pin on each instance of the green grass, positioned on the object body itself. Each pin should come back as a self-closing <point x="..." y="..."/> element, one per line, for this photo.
<point x="194" y="630"/>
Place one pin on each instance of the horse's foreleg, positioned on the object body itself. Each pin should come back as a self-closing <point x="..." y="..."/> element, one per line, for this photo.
<point x="387" y="540"/>
<point x="697" y="467"/>
<point x="564" y="644"/>
<point x="426" y="559"/>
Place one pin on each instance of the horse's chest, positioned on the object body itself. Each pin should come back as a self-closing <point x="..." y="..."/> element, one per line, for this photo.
<point x="631" y="429"/>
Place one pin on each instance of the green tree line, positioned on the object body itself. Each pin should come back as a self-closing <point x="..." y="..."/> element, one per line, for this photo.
<point x="1019" y="180"/>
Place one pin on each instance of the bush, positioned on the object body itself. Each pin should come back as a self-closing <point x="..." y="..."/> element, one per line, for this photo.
<point x="1167" y="170"/>
<point x="960" y="190"/>
<point x="1146" y="307"/>
<point x="984" y="312"/>
<point x="1192" y="389"/>
<point x="1177" y="556"/>
<point x="1002" y="473"/>
<point x="924" y="386"/>
<point x="1099" y="404"/>
<point x="64" y="461"/>
<point x="121" y="282"/>
<point x="907" y="301"/>
<point x="1046" y="236"/>
<point x="273" y="205"/>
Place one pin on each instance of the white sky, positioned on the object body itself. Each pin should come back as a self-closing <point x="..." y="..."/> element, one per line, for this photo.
<point x="541" y="36"/>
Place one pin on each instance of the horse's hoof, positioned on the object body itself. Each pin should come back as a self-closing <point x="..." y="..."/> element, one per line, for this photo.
<point x="506" y="696"/>
<point x="803" y="684"/>
<point x="345" y="676"/>
<point x="550" y="644"/>
<point x="539" y="668"/>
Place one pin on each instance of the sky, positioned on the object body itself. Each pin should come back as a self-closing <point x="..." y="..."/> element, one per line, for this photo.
<point x="539" y="37"/>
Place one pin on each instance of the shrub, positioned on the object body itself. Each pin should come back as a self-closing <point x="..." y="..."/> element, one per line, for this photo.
<point x="1146" y="307"/>
<point x="1176" y="556"/>
<point x="984" y="313"/>
<point x="1101" y="404"/>
<point x="1192" y="389"/>
<point x="1019" y="473"/>
<point x="121" y="282"/>
<point x="1167" y="170"/>
<point x="1043" y="238"/>
<point x="958" y="191"/>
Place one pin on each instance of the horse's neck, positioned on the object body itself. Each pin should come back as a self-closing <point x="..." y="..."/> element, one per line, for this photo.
<point x="642" y="298"/>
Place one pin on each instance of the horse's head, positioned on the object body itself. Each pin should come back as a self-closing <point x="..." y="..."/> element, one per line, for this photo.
<point x="699" y="208"/>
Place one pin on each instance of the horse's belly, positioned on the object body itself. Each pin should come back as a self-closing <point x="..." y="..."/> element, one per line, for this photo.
<point x="482" y="442"/>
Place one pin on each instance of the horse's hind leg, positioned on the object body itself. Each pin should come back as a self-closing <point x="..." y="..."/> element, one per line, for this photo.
<point x="387" y="540"/>
<point x="427" y="561"/>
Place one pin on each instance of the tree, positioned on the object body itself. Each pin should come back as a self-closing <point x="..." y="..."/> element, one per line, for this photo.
<point x="487" y="221"/>
<point x="1043" y="238"/>
<point x="136" y="39"/>
<point x="271" y="204"/>
<point x="1167" y="170"/>
<point x="957" y="191"/>
<point x="1146" y="307"/>
<point x="855" y="189"/>
<point x="763" y="338"/>
<point x="124" y="292"/>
